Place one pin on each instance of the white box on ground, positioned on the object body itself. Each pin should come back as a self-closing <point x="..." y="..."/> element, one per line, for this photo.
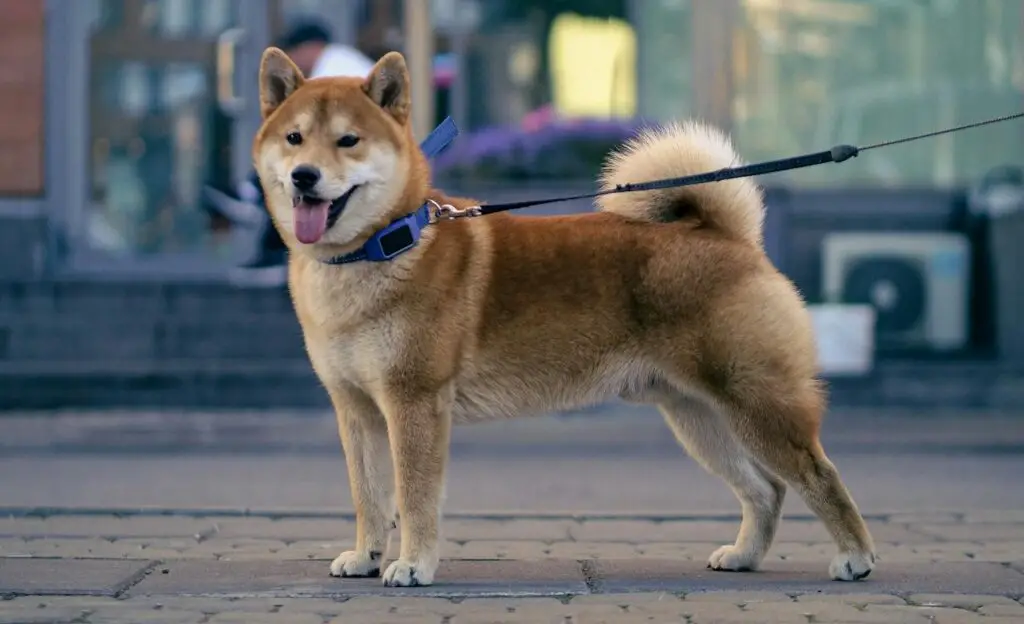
<point x="846" y="338"/>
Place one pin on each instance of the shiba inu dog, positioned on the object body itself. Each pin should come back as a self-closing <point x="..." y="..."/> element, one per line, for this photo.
<point x="660" y="297"/>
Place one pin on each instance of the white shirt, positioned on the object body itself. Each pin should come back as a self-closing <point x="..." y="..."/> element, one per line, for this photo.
<point x="341" y="60"/>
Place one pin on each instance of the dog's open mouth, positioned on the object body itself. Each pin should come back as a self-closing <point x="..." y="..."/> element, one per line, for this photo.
<point x="314" y="215"/>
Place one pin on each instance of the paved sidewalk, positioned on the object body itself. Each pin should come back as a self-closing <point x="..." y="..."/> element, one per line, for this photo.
<point x="935" y="567"/>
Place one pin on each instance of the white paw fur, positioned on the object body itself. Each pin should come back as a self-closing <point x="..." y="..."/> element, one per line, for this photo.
<point x="851" y="566"/>
<point x="358" y="564"/>
<point x="730" y="558"/>
<point x="404" y="573"/>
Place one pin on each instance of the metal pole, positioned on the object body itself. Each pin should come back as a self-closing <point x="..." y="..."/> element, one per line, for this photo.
<point x="459" y="93"/>
<point x="419" y="55"/>
<point x="714" y="23"/>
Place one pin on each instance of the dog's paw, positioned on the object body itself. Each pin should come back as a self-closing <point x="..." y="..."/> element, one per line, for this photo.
<point x="403" y="573"/>
<point x="851" y="566"/>
<point x="731" y="559"/>
<point x="356" y="564"/>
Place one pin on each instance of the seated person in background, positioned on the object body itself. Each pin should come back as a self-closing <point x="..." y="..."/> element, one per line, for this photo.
<point x="309" y="44"/>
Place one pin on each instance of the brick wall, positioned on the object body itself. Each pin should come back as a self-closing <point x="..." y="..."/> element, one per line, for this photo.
<point x="22" y="39"/>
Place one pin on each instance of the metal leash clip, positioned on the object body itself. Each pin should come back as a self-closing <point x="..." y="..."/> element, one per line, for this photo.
<point x="450" y="212"/>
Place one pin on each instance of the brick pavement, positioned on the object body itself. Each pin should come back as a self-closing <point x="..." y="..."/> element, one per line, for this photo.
<point x="939" y="568"/>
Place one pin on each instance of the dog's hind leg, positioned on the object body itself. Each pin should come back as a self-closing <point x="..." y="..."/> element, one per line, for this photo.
<point x="709" y="440"/>
<point x="364" y="438"/>
<point x="779" y="426"/>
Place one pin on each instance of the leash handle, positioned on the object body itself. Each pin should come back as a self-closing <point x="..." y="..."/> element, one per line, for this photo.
<point x="439" y="138"/>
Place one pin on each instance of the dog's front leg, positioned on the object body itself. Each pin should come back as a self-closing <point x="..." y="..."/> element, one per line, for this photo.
<point x="419" y="431"/>
<point x="364" y="439"/>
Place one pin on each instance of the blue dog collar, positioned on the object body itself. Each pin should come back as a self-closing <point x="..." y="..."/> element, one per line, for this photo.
<point x="402" y="234"/>
<point x="396" y="238"/>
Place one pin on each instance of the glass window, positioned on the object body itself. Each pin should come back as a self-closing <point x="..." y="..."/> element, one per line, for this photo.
<point x="541" y="89"/>
<point x="665" y="69"/>
<point x="813" y="73"/>
<point x="156" y="131"/>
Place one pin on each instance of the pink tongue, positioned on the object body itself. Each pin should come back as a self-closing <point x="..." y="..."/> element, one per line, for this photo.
<point x="310" y="221"/>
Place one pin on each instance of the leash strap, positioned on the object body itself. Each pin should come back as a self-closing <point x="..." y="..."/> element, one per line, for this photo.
<point x="837" y="154"/>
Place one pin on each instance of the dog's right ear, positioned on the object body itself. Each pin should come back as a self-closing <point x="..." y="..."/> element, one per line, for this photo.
<point x="388" y="85"/>
<point x="279" y="78"/>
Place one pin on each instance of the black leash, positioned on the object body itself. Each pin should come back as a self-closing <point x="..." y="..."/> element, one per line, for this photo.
<point x="837" y="154"/>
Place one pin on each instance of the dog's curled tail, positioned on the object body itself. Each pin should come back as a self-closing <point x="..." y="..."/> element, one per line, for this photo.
<point x="733" y="207"/>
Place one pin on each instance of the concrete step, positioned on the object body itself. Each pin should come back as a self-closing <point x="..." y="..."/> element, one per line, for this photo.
<point x="184" y="383"/>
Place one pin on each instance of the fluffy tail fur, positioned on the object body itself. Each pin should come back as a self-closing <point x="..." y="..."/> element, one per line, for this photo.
<point x="733" y="207"/>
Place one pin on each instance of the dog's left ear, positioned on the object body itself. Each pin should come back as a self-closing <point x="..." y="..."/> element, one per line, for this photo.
<point x="279" y="78"/>
<point x="389" y="86"/>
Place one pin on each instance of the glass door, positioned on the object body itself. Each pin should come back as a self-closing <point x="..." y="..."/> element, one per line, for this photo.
<point x="168" y="105"/>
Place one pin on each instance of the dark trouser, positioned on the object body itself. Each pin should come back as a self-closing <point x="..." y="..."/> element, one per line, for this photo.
<point x="270" y="240"/>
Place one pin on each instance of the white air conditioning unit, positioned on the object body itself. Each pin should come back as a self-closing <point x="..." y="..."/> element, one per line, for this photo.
<point x="916" y="282"/>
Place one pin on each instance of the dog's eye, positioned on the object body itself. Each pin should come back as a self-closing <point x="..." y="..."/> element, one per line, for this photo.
<point x="294" y="138"/>
<point x="349" y="140"/>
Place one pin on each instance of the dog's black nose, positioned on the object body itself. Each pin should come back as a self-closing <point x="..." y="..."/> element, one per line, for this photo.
<point x="305" y="177"/>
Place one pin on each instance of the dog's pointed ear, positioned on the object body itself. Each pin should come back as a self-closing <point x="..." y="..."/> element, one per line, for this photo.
<point x="279" y="78"/>
<point x="389" y="86"/>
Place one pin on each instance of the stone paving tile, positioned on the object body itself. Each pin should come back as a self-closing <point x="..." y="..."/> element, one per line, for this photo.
<point x="774" y="611"/>
<point x="549" y="610"/>
<point x="309" y="578"/>
<point x="854" y="599"/>
<point x="1007" y="552"/>
<point x="66" y="576"/>
<point x="591" y="550"/>
<point x="682" y="551"/>
<point x="218" y="547"/>
<point x="997" y="516"/>
<point x="49" y="609"/>
<point x="971" y="602"/>
<point x="148" y="616"/>
<point x="286" y="530"/>
<point x="503" y="550"/>
<point x="1013" y="610"/>
<point x="738" y="598"/>
<point x="329" y="549"/>
<point x="105" y="526"/>
<point x="637" y="531"/>
<point x="155" y="548"/>
<point x="401" y="605"/>
<point x="945" y="552"/>
<point x="40" y="615"/>
<point x="248" y="604"/>
<point x="920" y="615"/>
<point x="261" y="618"/>
<point x="974" y="532"/>
<point x="524" y="529"/>
<point x="724" y="613"/>
<point x="926" y="517"/>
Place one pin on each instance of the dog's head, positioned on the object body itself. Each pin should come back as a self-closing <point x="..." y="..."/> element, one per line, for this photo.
<point x="336" y="156"/>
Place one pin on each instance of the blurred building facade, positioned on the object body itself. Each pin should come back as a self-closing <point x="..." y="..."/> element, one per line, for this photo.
<point x="114" y="113"/>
